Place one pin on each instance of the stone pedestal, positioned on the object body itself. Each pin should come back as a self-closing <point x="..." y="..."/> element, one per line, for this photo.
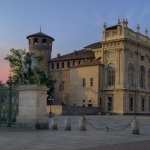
<point x="32" y="106"/>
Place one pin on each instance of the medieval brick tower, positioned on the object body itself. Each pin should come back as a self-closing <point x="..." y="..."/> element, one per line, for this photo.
<point x="40" y="44"/>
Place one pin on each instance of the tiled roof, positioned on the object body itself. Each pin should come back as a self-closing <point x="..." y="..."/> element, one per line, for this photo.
<point x="112" y="27"/>
<point x="81" y="54"/>
<point x="92" y="63"/>
<point x="40" y="34"/>
<point x="94" y="45"/>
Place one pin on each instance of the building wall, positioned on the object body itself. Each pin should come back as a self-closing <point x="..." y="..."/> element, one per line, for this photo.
<point x="84" y="95"/>
<point x="73" y="92"/>
<point x="121" y="48"/>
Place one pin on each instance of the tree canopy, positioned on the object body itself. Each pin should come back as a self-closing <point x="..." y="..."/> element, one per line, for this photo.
<point x="25" y="68"/>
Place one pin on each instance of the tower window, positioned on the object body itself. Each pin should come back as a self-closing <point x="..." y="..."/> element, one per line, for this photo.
<point x="35" y="40"/>
<point x="142" y="58"/>
<point x="29" y="41"/>
<point x="52" y="65"/>
<point x="58" y="65"/>
<point x="68" y="64"/>
<point x="44" y="40"/>
<point x="73" y="63"/>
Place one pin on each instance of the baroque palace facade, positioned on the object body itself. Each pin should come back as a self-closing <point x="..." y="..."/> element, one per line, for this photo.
<point x="112" y="74"/>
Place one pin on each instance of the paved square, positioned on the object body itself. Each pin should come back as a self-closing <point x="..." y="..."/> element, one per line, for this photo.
<point x="95" y="136"/>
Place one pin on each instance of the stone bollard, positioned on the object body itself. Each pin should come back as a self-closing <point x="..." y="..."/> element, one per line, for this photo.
<point x="135" y="127"/>
<point x="82" y="124"/>
<point x="68" y="124"/>
<point x="54" y="125"/>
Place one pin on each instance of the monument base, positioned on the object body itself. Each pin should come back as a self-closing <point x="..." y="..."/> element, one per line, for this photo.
<point x="32" y="107"/>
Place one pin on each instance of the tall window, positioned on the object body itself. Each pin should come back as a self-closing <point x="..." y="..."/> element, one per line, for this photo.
<point x="131" y="103"/>
<point x="83" y="82"/>
<point x="110" y="104"/>
<point x="62" y="64"/>
<point x="142" y="104"/>
<point x="131" y="75"/>
<point x="110" y="76"/>
<point x="149" y="79"/>
<point x="91" y="81"/>
<point x="142" y="77"/>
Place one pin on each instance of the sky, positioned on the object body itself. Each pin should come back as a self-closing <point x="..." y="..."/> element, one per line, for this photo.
<point x="73" y="23"/>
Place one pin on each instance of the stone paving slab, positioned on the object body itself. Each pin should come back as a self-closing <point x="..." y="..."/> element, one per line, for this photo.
<point x="92" y="139"/>
<point x="142" y="145"/>
<point x="61" y="140"/>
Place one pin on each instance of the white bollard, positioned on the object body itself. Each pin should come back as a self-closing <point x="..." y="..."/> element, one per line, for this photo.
<point x="54" y="125"/>
<point x="135" y="127"/>
<point x="82" y="124"/>
<point x="68" y="124"/>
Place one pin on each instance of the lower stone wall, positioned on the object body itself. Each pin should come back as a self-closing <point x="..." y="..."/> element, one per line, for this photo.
<point x="76" y="110"/>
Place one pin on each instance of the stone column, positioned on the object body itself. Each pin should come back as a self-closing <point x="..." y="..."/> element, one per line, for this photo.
<point x="32" y="106"/>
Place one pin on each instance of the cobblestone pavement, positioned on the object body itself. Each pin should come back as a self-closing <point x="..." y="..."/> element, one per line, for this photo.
<point x="144" y="145"/>
<point x="95" y="138"/>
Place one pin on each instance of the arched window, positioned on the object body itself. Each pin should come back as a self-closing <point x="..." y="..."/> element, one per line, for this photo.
<point x="142" y="104"/>
<point x="148" y="78"/>
<point x="131" y="104"/>
<point x="35" y="41"/>
<point x="131" y="75"/>
<point x="110" y="104"/>
<point x="142" y="77"/>
<point x="110" y="76"/>
<point x="44" y="40"/>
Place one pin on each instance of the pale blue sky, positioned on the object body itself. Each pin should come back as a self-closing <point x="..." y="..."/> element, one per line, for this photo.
<point x="73" y="23"/>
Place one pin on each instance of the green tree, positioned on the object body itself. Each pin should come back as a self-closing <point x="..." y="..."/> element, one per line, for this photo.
<point x="15" y="58"/>
<point x="18" y="59"/>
